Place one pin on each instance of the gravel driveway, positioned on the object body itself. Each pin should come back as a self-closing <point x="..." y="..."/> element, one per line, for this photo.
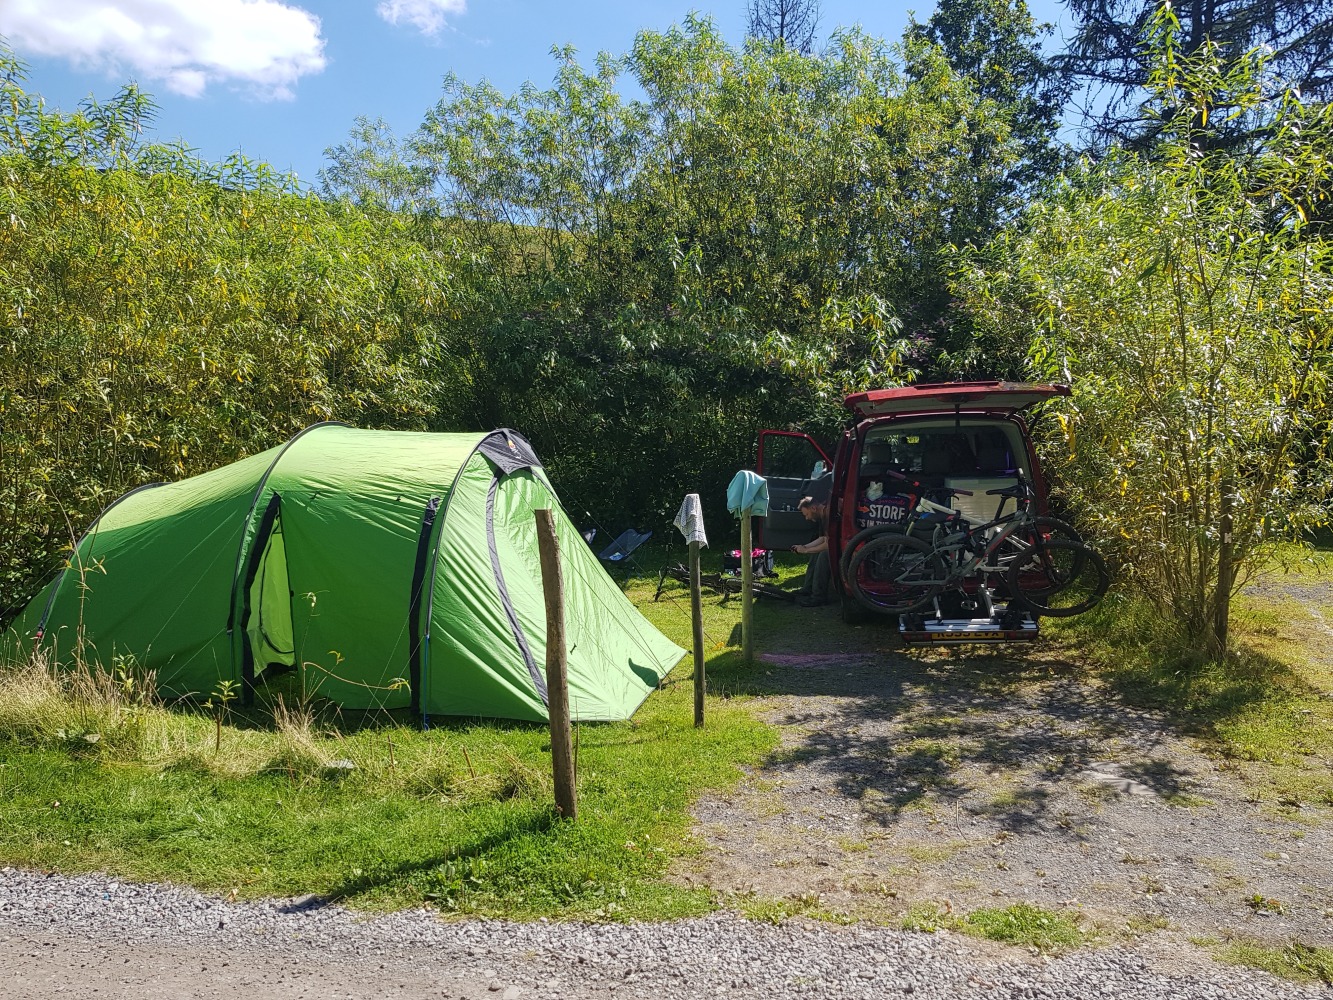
<point x="965" y="783"/>
<point x="92" y="936"/>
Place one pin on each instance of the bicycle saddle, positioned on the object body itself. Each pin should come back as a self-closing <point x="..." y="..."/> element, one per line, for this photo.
<point x="1018" y="491"/>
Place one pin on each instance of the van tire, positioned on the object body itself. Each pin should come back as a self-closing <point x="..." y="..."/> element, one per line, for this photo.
<point x="852" y="612"/>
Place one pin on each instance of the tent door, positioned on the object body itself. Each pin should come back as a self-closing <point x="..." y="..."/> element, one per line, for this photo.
<point x="419" y="631"/>
<point x="268" y="603"/>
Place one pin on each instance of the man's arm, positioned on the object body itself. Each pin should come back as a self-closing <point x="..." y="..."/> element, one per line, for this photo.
<point x="820" y="544"/>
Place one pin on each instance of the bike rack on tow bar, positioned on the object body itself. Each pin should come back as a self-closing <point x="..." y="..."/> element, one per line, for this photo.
<point x="1003" y="624"/>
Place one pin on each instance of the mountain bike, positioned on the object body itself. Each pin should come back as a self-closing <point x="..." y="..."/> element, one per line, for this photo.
<point x="926" y="515"/>
<point x="1043" y="564"/>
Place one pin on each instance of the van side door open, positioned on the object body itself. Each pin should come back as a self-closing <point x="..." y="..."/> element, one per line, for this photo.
<point x="794" y="466"/>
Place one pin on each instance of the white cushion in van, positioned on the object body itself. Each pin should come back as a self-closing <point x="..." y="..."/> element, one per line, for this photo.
<point x="980" y="508"/>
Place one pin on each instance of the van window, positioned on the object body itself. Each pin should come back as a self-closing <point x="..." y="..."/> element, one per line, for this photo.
<point x="791" y="456"/>
<point x="943" y="448"/>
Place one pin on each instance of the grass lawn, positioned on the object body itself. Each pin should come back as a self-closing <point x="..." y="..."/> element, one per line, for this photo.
<point x="459" y="817"/>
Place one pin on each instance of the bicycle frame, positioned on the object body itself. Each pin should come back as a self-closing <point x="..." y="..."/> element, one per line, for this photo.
<point x="959" y="541"/>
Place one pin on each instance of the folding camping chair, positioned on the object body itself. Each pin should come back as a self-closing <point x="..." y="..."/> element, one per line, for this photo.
<point x="620" y="552"/>
<point x="626" y="542"/>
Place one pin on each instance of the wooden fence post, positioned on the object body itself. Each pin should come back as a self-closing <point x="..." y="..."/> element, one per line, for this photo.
<point x="557" y="682"/>
<point x="747" y="591"/>
<point x="697" y="618"/>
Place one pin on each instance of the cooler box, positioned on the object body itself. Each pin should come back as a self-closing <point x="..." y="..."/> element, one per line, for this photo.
<point x="979" y="508"/>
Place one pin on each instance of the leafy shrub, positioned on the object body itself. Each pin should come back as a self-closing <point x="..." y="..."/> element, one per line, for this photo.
<point x="1184" y="294"/>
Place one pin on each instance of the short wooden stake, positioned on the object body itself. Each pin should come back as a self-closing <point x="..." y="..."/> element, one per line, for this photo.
<point x="557" y="682"/>
<point x="747" y="592"/>
<point x="697" y="618"/>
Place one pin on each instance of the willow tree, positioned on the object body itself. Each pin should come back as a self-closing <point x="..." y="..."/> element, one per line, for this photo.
<point x="1190" y="305"/>
<point x="160" y="316"/>
<point x="657" y="278"/>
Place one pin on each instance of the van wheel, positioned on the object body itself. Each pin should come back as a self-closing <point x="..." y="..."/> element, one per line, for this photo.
<point x="852" y="612"/>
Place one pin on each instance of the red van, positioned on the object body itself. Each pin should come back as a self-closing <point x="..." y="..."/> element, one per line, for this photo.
<point x="949" y="435"/>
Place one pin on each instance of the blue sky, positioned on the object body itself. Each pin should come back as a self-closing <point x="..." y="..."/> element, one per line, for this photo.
<point x="281" y="80"/>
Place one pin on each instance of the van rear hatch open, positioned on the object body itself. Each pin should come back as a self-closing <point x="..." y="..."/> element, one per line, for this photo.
<point x="1001" y="398"/>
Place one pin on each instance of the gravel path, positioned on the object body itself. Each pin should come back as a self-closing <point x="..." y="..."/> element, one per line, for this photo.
<point x="965" y="782"/>
<point x="978" y="778"/>
<point x="95" y="936"/>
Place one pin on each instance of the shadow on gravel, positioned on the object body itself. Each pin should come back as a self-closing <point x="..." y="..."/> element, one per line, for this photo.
<point x="992" y="732"/>
<point x="1163" y="777"/>
<point x="304" y="904"/>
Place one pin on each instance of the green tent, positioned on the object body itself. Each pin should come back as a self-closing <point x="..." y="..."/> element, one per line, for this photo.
<point x="391" y="569"/>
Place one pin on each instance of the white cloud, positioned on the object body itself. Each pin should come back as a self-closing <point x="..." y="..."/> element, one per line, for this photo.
<point x="188" y="44"/>
<point x="427" y="15"/>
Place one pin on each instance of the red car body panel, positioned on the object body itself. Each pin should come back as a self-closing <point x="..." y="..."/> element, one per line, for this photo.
<point x="946" y="397"/>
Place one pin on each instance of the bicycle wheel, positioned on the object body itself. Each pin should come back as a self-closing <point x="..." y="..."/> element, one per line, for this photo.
<point x="894" y="573"/>
<point x="858" y="540"/>
<point x="1058" y="578"/>
<point x="1017" y="545"/>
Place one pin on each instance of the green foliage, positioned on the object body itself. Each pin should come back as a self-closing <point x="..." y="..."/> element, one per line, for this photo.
<point x="758" y="236"/>
<point x="1025" y="924"/>
<point x="778" y="911"/>
<point x="637" y="285"/>
<point x="219" y="704"/>
<point x="1108" y="55"/>
<point x="1297" y="961"/>
<point x="86" y="710"/>
<point x="160" y="317"/>
<point x="927" y="918"/>
<point x="640" y="285"/>
<point x="1186" y="300"/>
<point x="997" y="45"/>
<point x="372" y="169"/>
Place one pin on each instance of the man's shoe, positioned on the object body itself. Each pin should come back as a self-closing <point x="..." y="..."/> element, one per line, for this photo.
<point x="811" y="602"/>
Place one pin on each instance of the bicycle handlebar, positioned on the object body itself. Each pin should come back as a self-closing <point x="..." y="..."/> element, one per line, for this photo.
<point x="1021" y="490"/>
